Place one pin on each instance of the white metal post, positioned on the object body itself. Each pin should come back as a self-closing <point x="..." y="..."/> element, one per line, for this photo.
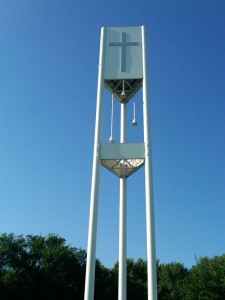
<point x="150" y="223"/>
<point x="122" y="289"/>
<point x="92" y="234"/>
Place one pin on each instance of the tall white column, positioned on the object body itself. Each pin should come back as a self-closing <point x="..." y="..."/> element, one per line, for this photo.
<point x="108" y="75"/>
<point x="93" y="219"/>
<point x="150" y="223"/>
<point x="122" y="289"/>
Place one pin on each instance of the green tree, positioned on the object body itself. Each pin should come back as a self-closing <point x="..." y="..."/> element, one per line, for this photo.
<point x="37" y="267"/>
<point x="45" y="268"/>
<point x="136" y="279"/>
<point x="206" y="280"/>
<point x="171" y="281"/>
<point x="104" y="283"/>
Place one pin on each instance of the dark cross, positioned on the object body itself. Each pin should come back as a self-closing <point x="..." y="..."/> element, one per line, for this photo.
<point x="123" y="44"/>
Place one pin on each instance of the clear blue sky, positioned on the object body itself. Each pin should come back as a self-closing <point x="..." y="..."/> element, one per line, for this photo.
<point x="48" y="80"/>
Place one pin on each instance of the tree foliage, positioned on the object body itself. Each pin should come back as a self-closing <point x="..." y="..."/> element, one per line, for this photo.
<point x="206" y="280"/>
<point x="37" y="267"/>
<point x="171" y="281"/>
<point x="136" y="279"/>
<point x="45" y="268"/>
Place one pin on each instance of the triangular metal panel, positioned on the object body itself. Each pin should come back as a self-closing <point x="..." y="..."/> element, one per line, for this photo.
<point x="131" y="87"/>
<point x="123" y="168"/>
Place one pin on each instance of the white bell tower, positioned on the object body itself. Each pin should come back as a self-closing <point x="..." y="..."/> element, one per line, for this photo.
<point x="123" y="71"/>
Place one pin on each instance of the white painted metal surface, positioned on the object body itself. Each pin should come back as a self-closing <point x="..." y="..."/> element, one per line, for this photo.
<point x="123" y="150"/>
<point x="122" y="282"/>
<point x="123" y="53"/>
<point x="150" y="223"/>
<point x="92" y="233"/>
<point x="123" y="71"/>
<point x="123" y="159"/>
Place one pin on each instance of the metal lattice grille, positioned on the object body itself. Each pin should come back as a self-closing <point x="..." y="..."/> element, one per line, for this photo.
<point x="123" y="167"/>
<point x="131" y="86"/>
